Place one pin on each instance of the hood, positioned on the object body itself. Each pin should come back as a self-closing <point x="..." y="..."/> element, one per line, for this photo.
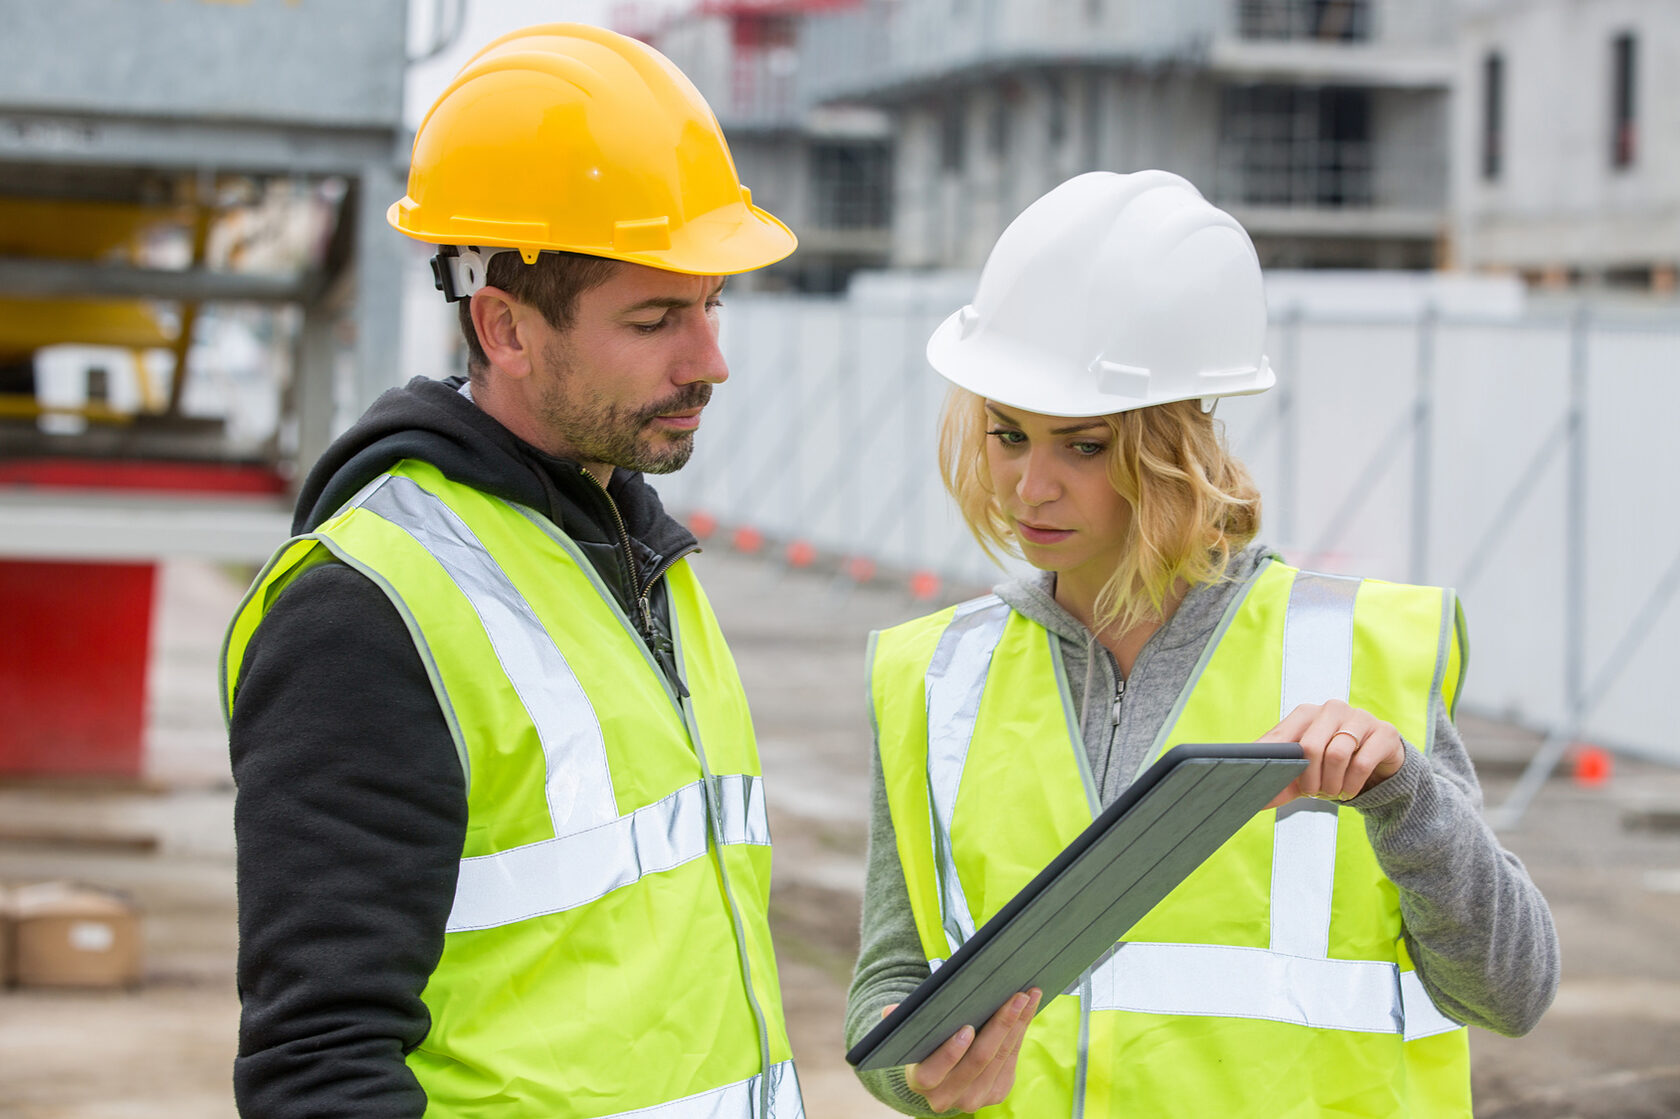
<point x="431" y="421"/>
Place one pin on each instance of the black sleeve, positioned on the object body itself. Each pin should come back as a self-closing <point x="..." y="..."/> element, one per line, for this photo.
<point x="350" y="817"/>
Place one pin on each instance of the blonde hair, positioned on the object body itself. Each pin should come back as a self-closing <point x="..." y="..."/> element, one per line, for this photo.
<point x="1193" y="504"/>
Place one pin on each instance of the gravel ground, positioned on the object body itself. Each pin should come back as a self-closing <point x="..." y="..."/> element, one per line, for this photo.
<point x="1608" y="858"/>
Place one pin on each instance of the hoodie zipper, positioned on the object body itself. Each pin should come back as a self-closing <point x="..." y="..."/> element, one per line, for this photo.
<point x="662" y="649"/>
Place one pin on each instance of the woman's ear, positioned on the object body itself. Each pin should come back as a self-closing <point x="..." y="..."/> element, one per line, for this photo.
<point x="500" y="319"/>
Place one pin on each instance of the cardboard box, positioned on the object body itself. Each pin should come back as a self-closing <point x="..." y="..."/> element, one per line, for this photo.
<point x="69" y="935"/>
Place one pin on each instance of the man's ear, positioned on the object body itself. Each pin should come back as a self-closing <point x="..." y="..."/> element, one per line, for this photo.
<point x="501" y="323"/>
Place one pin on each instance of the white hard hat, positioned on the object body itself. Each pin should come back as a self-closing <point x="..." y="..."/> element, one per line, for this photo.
<point x="1112" y="292"/>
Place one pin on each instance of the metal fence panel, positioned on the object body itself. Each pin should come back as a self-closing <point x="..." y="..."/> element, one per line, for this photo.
<point x="1563" y="550"/>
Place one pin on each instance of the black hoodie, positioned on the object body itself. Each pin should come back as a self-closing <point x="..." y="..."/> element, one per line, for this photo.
<point x="351" y="808"/>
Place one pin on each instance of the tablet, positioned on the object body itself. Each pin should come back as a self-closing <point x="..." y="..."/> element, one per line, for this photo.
<point x="1176" y="814"/>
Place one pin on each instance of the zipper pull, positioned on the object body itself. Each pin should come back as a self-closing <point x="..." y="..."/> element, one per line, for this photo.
<point x="1119" y="694"/>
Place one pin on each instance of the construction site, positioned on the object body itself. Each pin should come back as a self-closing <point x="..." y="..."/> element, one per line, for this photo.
<point x="1471" y="278"/>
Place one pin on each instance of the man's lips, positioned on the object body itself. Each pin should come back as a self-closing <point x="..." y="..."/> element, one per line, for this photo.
<point x="686" y="420"/>
<point x="1041" y="534"/>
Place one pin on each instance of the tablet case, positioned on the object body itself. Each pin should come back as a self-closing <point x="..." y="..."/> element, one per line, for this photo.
<point x="1177" y="813"/>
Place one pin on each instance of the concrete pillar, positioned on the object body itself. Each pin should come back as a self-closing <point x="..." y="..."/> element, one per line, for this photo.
<point x="379" y="284"/>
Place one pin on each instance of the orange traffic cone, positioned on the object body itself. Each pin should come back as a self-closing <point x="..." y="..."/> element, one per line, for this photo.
<point x="1590" y="765"/>
<point x="801" y="553"/>
<point x="702" y="524"/>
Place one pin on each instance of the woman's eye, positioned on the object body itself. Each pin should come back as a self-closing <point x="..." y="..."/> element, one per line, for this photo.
<point x="1007" y="437"/>
<point x="1089" y="449"/>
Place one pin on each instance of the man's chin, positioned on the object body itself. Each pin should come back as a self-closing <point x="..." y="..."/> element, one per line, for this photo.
<point x="669" y="459"/>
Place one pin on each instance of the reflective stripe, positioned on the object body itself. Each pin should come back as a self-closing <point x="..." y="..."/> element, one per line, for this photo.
<point x="739" y="1100"/>
<point x="1423" y="1017"/>
<point x="955" y="680"/>
<point x="577" y="780"/>
<point x="572" y="870"/>
<point x="1317" y="667"/>
<point x="1318" y="639"/>
<point x="1303" y="877"/>
<point x="1218" y="981"/>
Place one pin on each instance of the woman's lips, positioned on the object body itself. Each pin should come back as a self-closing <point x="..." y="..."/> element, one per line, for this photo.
<point x="1041" y="534"/>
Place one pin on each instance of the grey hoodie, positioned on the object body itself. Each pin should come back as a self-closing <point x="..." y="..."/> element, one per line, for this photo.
<point x="1476" y="927"/>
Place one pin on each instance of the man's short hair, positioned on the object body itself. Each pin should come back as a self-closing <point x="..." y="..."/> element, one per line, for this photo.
<point x="552" y="285"/>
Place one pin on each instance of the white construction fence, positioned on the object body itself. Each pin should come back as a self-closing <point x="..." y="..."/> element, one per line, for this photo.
<point x="1527" y="457"/>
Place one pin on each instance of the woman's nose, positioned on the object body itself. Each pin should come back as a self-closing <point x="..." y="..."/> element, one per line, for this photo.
<point x="1037" y="483"/>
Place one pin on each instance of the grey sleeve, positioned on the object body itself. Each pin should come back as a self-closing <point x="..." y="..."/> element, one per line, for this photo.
<point x="1476" y="926"/>
<point x="890" y="961"/>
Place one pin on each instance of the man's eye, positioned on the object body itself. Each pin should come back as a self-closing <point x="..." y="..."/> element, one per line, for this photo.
<point x="648" y="327"/>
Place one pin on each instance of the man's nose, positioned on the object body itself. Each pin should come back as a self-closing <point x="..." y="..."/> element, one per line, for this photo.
<point x="704" y="359"/>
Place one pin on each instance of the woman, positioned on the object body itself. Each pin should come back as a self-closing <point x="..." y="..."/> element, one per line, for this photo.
<point x="1327" y="958"/>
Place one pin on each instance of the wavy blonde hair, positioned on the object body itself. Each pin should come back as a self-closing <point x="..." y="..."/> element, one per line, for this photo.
<point x="1193" y="504"/>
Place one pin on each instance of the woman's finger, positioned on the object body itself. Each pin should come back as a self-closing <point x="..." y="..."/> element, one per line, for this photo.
<point x="947" y="1076"/>
<point x="992" y="1083"/>
<point x="928" y="1076"/>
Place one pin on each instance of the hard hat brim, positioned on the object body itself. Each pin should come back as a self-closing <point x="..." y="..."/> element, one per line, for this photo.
<point x="1013" y="374"/>
<point x="727" y="241"/>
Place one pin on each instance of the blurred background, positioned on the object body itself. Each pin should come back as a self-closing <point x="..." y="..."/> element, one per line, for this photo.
<point x="1469" y="214"/>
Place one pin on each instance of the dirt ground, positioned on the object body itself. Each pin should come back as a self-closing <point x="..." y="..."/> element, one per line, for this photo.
<point x="1607" y="857"/>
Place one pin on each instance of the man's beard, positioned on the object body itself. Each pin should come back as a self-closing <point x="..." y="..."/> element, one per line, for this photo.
<point x="597" y="432"/>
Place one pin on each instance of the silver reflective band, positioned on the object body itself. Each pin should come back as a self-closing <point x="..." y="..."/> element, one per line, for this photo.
<point x="578" y="782"/>
<point x="1218" y="981"/>
<point x="1317" y="640"/>
<point x="1366" y="996"/>
<point x="733" y="1101"/>
<point x="1423" y="1017"/>
<point x="1317" y="667"/>
<point x="956" y="678"/>
<point x="1303" y="877"/>
<point x="560" y="874"/>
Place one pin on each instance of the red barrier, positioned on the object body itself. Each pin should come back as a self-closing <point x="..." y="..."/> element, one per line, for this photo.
<point x="73" y="666"/>
<point x="75" y="637"/>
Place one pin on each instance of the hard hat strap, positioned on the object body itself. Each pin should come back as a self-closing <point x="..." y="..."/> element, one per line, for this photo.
<point x="460" y="270"/>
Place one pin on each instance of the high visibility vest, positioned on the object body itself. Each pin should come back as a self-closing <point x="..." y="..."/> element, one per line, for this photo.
<point x="1274" y="980"/>
<point x="608" y="949"/>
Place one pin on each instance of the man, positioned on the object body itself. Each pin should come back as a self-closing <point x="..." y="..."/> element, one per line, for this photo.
<point x="502" y="838"/>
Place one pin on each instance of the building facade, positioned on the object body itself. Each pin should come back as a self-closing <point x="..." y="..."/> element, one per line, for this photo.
<point x="1566" y="142"/>
<point x="1321" y="124"/>
<point x="824" y="169"/>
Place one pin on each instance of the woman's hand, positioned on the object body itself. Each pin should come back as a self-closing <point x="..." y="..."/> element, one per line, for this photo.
<point x="969" y="1072"/>
<point x="1348" y="751"/>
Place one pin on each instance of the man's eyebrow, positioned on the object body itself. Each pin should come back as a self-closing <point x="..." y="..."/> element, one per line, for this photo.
<point x="668" y="302"/>
<point x="1070" y="429"/>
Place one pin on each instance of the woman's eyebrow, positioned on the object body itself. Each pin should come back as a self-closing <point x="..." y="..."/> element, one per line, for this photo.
<point x="1087" y="425"/>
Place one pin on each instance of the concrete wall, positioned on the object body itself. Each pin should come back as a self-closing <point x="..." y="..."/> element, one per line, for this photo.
<point x="1558" y="201"/>
<point x="1411" y="149"/>
<point x="318" y="62"/>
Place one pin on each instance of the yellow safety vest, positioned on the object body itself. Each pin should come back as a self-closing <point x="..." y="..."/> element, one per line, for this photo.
<point x="1272" y="982"/>
<point x="608" y="950"/>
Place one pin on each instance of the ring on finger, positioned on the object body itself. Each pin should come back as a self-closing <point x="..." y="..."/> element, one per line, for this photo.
<point x="1357" y="741"/>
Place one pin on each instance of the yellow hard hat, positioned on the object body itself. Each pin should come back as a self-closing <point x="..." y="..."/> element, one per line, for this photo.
<point x="571" y="137"/>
